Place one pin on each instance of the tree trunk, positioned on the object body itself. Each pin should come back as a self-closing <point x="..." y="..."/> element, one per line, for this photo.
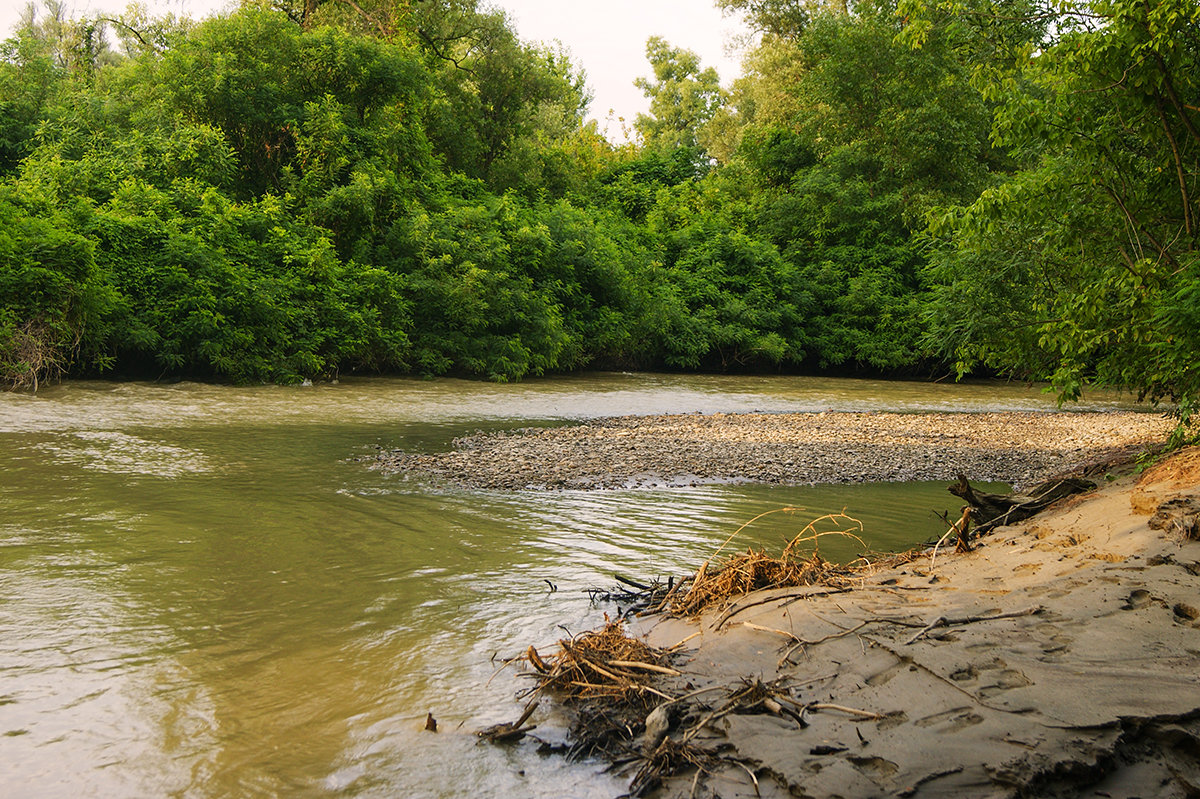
<point x="994" y="510"/>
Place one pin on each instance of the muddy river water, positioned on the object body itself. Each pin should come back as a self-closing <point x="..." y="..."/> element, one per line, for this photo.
<point x="204" y="592"/>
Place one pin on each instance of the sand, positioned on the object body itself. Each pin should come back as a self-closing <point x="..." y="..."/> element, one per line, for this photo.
<point x="1083" y="679"/>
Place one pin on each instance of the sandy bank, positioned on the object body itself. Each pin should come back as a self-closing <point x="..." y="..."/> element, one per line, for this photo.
<point x="792" y="448"/>
<point x="1067" y="663"/>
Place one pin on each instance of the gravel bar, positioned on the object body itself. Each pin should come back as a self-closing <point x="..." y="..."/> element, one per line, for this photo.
<point x="783" y="448"/>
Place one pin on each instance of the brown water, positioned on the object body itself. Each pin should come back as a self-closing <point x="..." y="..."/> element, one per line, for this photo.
<point x="204" y="593"/>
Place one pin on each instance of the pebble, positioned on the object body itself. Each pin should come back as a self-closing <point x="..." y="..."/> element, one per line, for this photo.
<point x="783" y="448"/>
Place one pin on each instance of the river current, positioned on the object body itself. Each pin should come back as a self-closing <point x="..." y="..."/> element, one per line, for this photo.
<point x="205" y="591"/>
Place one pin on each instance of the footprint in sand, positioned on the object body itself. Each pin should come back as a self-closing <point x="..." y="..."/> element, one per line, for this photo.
<point x="1006" y="680"/>
<point x="1186" y="614"/>
<point x="877" y="769"/>
<point x="965" y="674"/>
<point x="954" y="719"/>
<point x="887" y="674"/>
<point x="1138" y="598"/>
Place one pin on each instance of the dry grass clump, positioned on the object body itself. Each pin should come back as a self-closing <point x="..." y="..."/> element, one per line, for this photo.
<point x="756" y="570"/>
<point x="1181" y="469"/>
<point x="605" y="677"/>
<point x="669" y="758"/>
<point x="752" y="570"/>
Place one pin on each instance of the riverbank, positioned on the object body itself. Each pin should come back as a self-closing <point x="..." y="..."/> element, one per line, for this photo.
<point x="1061" y="657"/>
<point x="783" y="448"/>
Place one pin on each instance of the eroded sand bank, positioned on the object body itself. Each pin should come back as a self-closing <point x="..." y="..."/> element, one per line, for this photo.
<point x="1084" y="682"/>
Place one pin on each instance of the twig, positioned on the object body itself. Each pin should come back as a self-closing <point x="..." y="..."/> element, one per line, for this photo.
<point x="801" y="644"/>
<point x="942" y="621"/>
<point x="954" y="528"/>
<point x="809" y="681"/>
<point x="793" y="595"/>
<point x="631" y="583"/>
<point x="753" y="778"/>
<point x="674" y="590"/>
<point x="730" y="705"/>
<point x="696" y="693"/>
<point x="788" y="509"/>
<point x="656" y="692"/>
<point x="935" y="623"/>
<point x="751" y="625"/>
<point x="532" y="706"/>
<point x="637" y="664"/>
<point x="504" y="664"/>
<point x="964" y="532"/>
<point x="833" y="517"/>
<point x="866" y="714"/>
<point x="685" y="640"/>
<point x="502" y="733"/>
<point x="599" y="669"/>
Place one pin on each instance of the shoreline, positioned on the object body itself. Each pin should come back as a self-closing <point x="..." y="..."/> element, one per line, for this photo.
<point x="1060" y="657"/>
<point x="675" y="450"/>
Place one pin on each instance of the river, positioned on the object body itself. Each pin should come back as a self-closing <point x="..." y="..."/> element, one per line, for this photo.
<point x="205" y="592"/>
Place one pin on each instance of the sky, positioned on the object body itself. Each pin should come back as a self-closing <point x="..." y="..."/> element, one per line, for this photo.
<point x="607" y="38"/>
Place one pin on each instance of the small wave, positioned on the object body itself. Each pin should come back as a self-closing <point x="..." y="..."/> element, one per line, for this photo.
<point x="121" y="453"/>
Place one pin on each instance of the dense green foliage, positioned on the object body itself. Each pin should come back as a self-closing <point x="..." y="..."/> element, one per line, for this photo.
<point x="1085" y="264"/>
<point x="298" y="189"/>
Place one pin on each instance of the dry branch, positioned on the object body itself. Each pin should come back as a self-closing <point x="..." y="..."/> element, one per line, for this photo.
<point x="942" y="621"/>
<point x="507" y="732"/>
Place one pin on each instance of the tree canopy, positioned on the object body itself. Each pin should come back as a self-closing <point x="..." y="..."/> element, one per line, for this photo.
<point x="1082" y="265"/>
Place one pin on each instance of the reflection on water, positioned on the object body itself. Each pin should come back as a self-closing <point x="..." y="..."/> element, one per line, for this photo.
<point x="204" y="593"/>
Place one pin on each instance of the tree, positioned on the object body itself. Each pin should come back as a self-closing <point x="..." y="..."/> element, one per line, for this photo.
<point x="502" y="109"/>
<point x="847" y="139"/>
<point x="28" y="83"/>
<point x="1084" y="265"/>
<point x="53" y="300"/>
<point x="784" y="18"/>
<point x="683" y="97"/>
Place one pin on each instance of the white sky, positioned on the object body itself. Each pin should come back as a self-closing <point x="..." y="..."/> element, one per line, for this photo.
<point x="607" y="38"/>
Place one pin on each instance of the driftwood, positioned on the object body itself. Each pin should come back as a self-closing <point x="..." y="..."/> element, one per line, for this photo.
<point x="995" y="510"/>
<point x="634" y="598"/>
<point x="509" y="732"/>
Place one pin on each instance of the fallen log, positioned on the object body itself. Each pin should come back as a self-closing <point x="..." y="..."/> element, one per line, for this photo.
<point x="990" y="510"/>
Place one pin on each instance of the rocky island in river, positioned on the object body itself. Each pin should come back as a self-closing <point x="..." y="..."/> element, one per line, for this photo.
<point x="792" y="448"/>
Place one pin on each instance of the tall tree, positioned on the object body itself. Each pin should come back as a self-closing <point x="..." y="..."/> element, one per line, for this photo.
<point x="786" y="18"/>
<point x="683" y="97"/>
<point x="847" y="138"/>
<point x="1086" y="265"/>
